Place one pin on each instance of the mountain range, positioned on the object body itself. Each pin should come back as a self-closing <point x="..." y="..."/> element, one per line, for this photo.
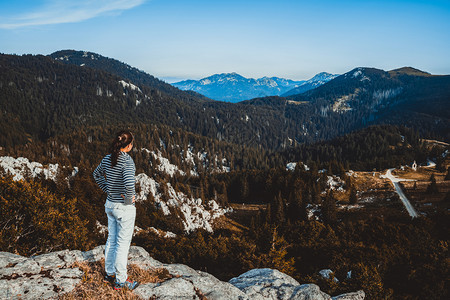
<point x="232" y="87"/>
<point x="43" y="96"/>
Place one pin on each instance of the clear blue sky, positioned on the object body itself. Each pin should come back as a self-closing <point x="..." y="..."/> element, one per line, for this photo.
<point x="179" y="39"/>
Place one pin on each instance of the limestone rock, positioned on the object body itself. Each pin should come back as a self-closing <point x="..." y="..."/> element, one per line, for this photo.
<point x="175" y="288"/>
<point x="7" y="258"/>
<point x="51" y="260"/>
<point x="48" y="276"/>
<point x="28" y="266"/>
<point x="180" y="270"/>
<point x="142" y="258"/>
<point x="265" y="284"/>
<point x="309" y="292"/>
<point x="328" y="274"/>
<point x="214" y="289"/>
<point x="95" y="254"/>
<point x="259" y="284"/>
<point x="359" y="295"/>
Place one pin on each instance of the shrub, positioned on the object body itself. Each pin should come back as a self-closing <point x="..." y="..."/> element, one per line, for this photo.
<point x="33" y="220"/>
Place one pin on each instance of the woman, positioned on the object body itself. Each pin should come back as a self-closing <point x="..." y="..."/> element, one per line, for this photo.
<point x="115" y="176"/>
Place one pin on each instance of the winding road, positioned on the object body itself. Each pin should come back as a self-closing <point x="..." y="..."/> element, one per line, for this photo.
<point x="395" y="181"/>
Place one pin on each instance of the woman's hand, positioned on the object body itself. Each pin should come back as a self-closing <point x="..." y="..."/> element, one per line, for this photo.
<point x="132" y="201"/>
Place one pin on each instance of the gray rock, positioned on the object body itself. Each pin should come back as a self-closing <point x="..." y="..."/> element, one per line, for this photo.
<point x="145" y="263"/>
<point x="66" y="273"/>
<point x="142" y="258"/>
<point x="136" y="251"/>
<point x="214" y="289"/>
<point x="73" y="256"/>
<point x="359" y="295"/>
<point x="7" y="258"/>
<point x="136" y="255"/>
<point x="259" y="284"/>
<point x="180" y="270"/>
<point x="265" y="284"/>
<point x="36" y="287"/>
<point x="309" y="292"/>
<point x="175" y="288"/>
<point x="28" y="266"/>
<point x="95" y="254"/>
<point x="327" y="274"/>
<point x="51" y="260"/>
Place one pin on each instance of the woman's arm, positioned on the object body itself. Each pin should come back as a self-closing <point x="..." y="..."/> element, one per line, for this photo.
<point x="99" y="177"/>
<point x="129" y="180"/>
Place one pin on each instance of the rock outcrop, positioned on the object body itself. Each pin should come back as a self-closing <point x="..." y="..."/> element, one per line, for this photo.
<point x="50" y="275"/>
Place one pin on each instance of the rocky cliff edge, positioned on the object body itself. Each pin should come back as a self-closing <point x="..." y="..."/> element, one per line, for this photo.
<point x="52" y="275"/>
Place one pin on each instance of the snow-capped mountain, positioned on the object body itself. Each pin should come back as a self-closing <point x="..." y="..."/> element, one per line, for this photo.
<point x="310" y="84"/>
<point x="232" y="87"/>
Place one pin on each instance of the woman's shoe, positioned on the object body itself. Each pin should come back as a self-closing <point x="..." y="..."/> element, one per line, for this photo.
<point x="131" y="285"/>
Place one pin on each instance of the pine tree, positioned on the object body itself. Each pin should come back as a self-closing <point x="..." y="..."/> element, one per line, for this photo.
<point x="276" y="258"/>
<point x="432" y="188"/>
<point x="294" y="212"/>
<point x="329" y="211"/>
<point x="353" y="198"/>
<point x="278" y="207"/>
<point x="447" y="177"/>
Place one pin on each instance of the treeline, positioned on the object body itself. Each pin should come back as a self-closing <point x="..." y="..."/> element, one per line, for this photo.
<point x="42" y="98"/>
<point x="85" y="146"/>
<point x="406" y="98"/>
<point x="113" y="66"/>
<point x="255" y="175"/>
<point x="375" y="147"/>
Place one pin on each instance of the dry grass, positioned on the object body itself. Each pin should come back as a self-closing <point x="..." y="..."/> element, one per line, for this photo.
<point x="422" y="174"/>
<point x="247" y="207"/>
<point x="92" y="285"/>
<point x="242" y="215"/>
<point x="226" y="223"/>
<point x="365" y="181"/>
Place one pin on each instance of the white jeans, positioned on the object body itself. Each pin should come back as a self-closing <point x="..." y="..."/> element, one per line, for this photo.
<point x="121" y="219"/>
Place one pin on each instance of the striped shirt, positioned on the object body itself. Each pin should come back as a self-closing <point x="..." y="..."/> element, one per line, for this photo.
<point x="118" y="180"/>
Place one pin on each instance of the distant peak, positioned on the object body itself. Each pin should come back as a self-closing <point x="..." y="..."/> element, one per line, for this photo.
<point x="228" y="74"/>
<point x="322" y="76"/>
<point x="408" y="71"/>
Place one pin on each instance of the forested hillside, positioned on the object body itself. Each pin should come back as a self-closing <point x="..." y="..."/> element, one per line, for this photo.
<point x="355" y="100"/>
<point x="367" y="96"/>
<point x="112" y="66"/>
<point x="41" y="97"/>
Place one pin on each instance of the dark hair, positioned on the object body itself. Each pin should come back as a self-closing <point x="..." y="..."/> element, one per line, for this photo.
<point x="122" y="139"/>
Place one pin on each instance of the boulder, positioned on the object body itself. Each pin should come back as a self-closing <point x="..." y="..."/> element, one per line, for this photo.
<point x="359" y="295"/>
<point x="309" y="292"/>
<point x="259" y="284"/>
<point x="265" y="284"/>
<point x="175" y="288"/>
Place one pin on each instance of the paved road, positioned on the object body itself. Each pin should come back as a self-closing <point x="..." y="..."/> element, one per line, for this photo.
<point x="395" y="181"/>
